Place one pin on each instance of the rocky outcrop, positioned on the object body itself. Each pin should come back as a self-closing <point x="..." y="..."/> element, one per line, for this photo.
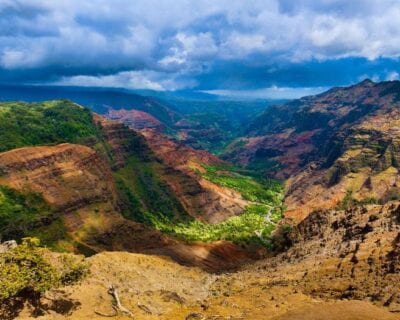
<point x="7" y="246"/>
<point x="347" y="254"/>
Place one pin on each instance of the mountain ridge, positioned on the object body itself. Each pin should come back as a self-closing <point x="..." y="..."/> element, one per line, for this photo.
<point x="341" y="142"/>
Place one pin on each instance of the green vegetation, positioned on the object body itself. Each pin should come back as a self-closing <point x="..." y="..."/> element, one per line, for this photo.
<point x="44" y="123"/>
<point x="25" y="270"/>
<point x="53" y="235"/>
<point x="215" y="124"/>
<point x="264" y="165"/>
<point x="18" y="210"/>
<point x="28" y="214"/>
<point x="267" y="191"/>
<point x="142" y="191"/>
<point x="282" y="238"/>
<point x="250" y="227"/>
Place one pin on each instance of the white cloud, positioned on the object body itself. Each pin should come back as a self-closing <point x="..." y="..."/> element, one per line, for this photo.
<point x="393" y="75"/>
<point x="14" y="58"/>
<point x="189" y="48"/>
<point x="273" y="92"/>
<point x="127" y="79"/>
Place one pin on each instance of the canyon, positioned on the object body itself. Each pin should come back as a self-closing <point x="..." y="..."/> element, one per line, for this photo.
<point x="139" y="203"/>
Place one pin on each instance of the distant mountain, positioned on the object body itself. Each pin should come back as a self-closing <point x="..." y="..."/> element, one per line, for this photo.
<point x="196" y="119"/>
<point x="100" y="100"/>
<point x="339" y="146"/>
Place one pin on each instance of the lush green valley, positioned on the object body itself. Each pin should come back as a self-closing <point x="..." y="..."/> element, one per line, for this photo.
<point x="253" y="226"/>
<point x="212" y="125"/>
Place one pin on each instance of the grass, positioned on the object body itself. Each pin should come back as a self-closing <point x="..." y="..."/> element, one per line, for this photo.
<point x="267" y="191"/>
<point x="238" y="229"/>
<point x="19" y="210"/>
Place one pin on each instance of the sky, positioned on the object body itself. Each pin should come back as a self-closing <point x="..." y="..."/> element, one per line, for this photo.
<point x="267" y="48"/>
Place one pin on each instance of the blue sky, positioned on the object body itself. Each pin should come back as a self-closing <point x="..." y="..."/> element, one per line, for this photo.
<point x="266" y="48"/>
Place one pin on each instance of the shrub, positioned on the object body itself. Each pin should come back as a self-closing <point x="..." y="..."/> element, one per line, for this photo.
<point x="27" y="271"/>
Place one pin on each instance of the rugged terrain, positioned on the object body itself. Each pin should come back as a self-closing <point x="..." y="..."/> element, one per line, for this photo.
<point x="200" y="197"/>
<point x="341" y="145"/>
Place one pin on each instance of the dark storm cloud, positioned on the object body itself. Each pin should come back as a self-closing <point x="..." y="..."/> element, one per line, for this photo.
<point x="206" y="45"/>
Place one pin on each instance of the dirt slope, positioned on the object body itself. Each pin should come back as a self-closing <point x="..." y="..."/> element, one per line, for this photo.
<point x="157" y="288"/>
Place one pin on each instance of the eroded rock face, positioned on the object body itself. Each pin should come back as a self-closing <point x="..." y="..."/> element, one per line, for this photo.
<point x="78" y="183"/>
<point x="122" y="142"/>
<point x="177" y="164"/>
<point x="202" y="199"/>
<point x="68" y="176"/>
<point x="176" y="154"/>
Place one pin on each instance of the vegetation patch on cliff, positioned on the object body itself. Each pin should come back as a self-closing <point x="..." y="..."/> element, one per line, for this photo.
<point x="18" y="210"/>
<point x="142" y="191"/>
<point x="50" y="122"/>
